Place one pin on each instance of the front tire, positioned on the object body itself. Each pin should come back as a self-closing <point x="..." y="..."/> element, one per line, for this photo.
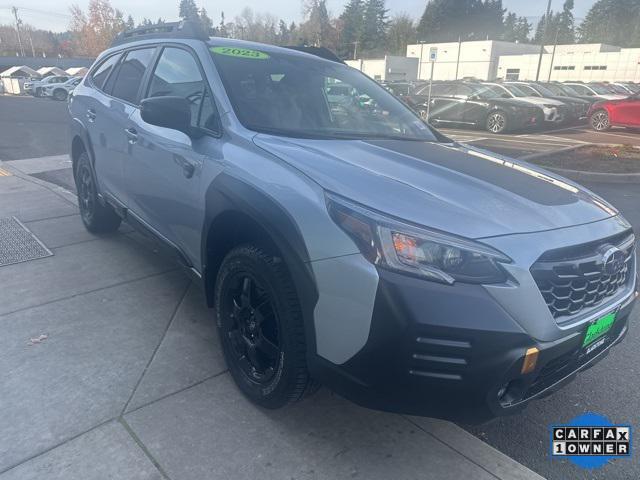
<point x="497" y="122"/>
<point x="600" y="121"/>
<point x="60" y="95"/>
<point x="261" y="327"/>
<point x="97" y="218"/>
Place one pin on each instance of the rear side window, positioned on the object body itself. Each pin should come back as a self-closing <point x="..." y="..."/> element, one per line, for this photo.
<point x="177" y="74"/>
<point x="130" y="73"/>
<point x="101" y="73"/>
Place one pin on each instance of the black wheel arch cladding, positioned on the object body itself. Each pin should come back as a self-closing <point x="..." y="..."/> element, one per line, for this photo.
<point x="230" y="197"/>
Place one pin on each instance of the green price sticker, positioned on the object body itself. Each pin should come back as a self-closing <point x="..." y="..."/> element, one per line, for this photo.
<point x="240" y="52"/>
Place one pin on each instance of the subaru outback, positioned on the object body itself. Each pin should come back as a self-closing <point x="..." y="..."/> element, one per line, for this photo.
<point x="340" y="239"/>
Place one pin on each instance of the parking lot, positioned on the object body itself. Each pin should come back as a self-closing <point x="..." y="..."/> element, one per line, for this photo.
<point x="130" y="378"/>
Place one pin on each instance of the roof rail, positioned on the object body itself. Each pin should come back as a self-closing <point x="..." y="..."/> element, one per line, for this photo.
<point x="321" y="52"/>
<point x="183" y="29"/>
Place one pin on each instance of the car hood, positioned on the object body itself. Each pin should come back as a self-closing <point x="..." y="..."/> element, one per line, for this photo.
<point x="448" y="187"/>
<point x="612" y="96"/>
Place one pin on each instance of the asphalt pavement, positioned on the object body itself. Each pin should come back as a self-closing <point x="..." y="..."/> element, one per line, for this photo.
<point x="609" y="388"/>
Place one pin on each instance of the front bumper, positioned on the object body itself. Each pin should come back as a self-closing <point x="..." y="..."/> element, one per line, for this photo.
<point x="453" y="352"/>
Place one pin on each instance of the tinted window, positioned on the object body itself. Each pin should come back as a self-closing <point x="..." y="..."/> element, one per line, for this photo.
<point x="177" y="74"/>
<point x="288" y="94"/>
<point x="101" y="73"/>
<point x="439" y="90"/>
<point x="130" y="73"/>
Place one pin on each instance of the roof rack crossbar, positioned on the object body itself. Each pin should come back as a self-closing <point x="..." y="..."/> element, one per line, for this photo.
<point x="185" y="29"/>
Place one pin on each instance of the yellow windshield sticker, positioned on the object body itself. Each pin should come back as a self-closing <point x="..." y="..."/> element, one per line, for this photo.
<point x="240" y="52"/>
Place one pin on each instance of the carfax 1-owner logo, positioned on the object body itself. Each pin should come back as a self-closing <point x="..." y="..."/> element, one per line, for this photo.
<point x="590" y="441"/>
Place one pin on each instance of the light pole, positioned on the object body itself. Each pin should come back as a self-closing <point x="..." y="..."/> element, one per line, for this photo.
<point x="544" y="36"/>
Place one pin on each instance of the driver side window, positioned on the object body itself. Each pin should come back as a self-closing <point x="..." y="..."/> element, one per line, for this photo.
<point x="177" y="74"/>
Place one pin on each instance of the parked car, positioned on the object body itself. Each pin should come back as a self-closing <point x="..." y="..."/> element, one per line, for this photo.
<point x="554" y="110"/>
<point x="594" y="90"/>
<point x="561" y="89"/>
<point x="367" y="251"/>
<point x="621" y="113"/>
<point x="630" y="87"/>
<point x="60" y="91"/>
<point x="578" y="108"/>
<point x="471" y="103"/>
<point x="35" y="86"/>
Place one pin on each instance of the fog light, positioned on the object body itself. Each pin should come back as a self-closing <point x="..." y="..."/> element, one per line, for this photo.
<point x="530" y="360"/>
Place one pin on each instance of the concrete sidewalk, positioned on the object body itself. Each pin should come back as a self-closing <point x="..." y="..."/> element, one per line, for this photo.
<point x="110" y="368"/>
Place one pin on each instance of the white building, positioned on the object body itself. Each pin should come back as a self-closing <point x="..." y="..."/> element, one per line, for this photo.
<point x="582" y="62"/>
<point x="477" y="59"/>
<point x="389" y="68"/>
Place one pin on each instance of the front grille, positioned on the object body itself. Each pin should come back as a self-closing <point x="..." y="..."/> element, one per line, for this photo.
<point x="573" y="279"/>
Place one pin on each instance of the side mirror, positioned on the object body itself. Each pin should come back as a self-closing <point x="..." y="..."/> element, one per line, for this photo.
<point x="168" y="112"/>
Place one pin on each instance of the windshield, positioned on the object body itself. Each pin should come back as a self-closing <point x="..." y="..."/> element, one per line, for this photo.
<point x="565" y="90"/>
<point x="290" y="95"/>
<point x="618" y="89"/>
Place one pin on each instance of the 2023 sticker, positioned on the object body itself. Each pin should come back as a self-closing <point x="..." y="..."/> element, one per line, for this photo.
<point x="240" y="52"/>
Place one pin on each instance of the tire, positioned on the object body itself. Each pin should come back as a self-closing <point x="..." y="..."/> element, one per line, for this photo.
<point x="97" y="218"/>
<point x="599" y="121"/>
<point x="261" y="327"/>
<point x="496" y="122"/>
<point x="60" y="95"/>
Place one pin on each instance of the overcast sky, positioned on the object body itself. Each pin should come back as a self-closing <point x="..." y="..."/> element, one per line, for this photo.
<point x="55" y="15"/>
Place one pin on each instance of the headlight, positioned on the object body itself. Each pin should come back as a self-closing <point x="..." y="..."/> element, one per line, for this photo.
<point x="429" y="254"/>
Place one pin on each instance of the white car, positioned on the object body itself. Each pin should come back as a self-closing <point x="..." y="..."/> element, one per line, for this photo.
<point x="593" y="90"/>
<point x="554" y="110"/>
<point x="61" y="91"/>
<point x="35" y="86"/>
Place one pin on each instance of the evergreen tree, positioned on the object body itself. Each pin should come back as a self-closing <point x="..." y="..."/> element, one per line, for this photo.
<point x="130" y="23"/>
<point x="221" y="31"/>
<point x="565" y="24"/>
<point x="523" y="30"/>
<point x="375" y="27"/>
<point x="448" y="20"/>
<point x="352" y="19"/>
<point x="205" y="21"/>
<point x="509" y="33"/>
<point x="612" y="21"/>
<point x="188" y="10"/>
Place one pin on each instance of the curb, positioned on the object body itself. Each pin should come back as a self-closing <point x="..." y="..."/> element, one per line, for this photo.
<point x="581" y="175"/>
<point x="52" y="187"/>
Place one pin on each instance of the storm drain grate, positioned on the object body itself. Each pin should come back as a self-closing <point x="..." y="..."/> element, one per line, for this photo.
<point x="18" y="244"/>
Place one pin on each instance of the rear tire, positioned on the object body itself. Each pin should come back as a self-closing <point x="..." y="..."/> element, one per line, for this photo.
<point x="97" y="218"/>
<point x="261" y="327"/>
<point x="599" y="121"/>
<point x="497" y="122"/>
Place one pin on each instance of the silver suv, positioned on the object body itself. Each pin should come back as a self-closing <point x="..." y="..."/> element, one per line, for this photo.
<point x="340" y="239"/>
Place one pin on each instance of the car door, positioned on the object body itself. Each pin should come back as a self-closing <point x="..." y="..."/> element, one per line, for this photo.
<point x="444" y="106"/>
<point x="164" y="166"/>
<point x="627" y="112"/>
<point x="122" y="91"/>
<point x="92" y="108"/>
<point x="475" y="107"/>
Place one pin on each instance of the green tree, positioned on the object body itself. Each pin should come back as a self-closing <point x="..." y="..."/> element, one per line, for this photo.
<point x="375" y="27"/>
<point x="318" y="30"/>
<point x="401" y="32"/>
<point x="561" y="26"/>
<point x="612" y="21"/>
<point x="130" y="23"/>
<point x="352" y="20"/>
<point x="205" y="21"/>
<point x="448" y="20"/>
<point x="188" y="10"/>
<point x="523" y="30"/>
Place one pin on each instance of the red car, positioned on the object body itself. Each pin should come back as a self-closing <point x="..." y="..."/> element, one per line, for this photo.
<point x="622" y="113"/>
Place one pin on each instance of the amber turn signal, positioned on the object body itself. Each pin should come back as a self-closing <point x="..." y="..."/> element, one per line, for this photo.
<point x="530" y="360"/>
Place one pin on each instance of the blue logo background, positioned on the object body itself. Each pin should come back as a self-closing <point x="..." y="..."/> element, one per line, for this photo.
<point x="589" y="420"/>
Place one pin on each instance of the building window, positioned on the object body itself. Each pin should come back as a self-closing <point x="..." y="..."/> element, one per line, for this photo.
<point x="564" y="67"/>
<point x="512" y="74"/>
<point x="595" y="67"/>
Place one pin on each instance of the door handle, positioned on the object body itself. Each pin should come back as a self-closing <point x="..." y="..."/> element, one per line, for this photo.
<point x="91" y="115"/>
<point x="132" y="135"/>
<point x="188" y="169"/>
